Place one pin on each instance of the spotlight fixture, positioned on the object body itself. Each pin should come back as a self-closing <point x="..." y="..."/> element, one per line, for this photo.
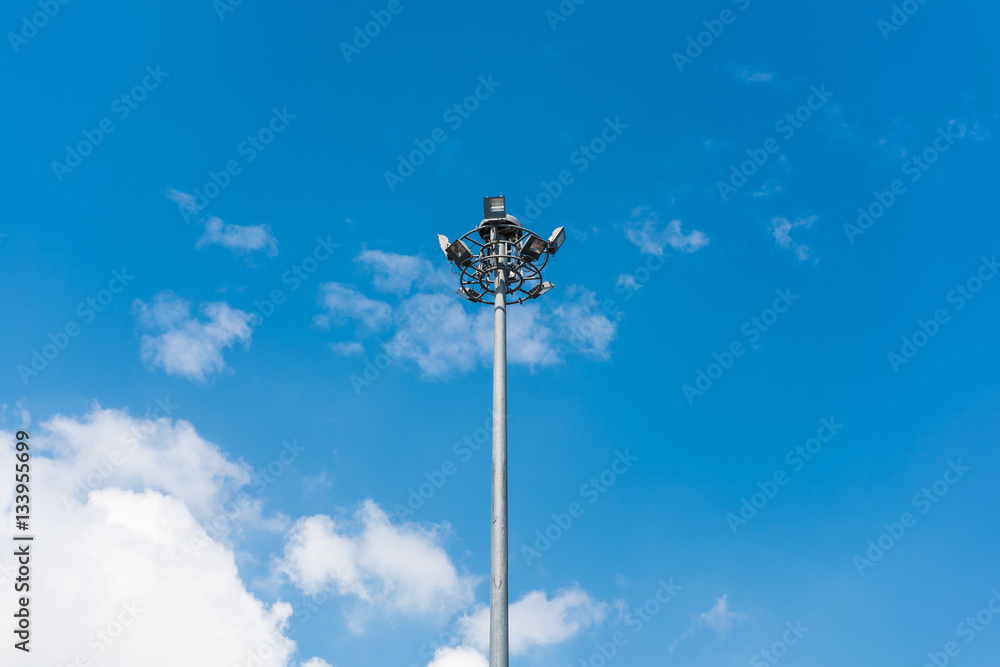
<point x="533" y="248"/>
<point x="457" y="252"/>
<point x="494" y="208"/>
<point x="556" y="240"/>
<point x="539" y="289"/>
<point x="469" y="294"/>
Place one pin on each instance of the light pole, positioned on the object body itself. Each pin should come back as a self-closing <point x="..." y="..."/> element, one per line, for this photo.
<point x="498" y="260"/>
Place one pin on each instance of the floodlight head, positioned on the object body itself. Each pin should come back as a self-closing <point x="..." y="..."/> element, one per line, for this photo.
<point x="444" y="243"/>
<point x="469" y="294"/>
<point x="501" y="258"/>
<point x="458" y="252"/>
<point x="539" y="289"/>
<point x="533" y="248"/>
<point x="494" y="207"/>
<point x="556" y="240"/>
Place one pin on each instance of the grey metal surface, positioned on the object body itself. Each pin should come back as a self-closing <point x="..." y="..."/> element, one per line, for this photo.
<point x="498" y="534"/>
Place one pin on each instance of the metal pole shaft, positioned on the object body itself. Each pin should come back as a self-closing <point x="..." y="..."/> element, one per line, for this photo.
<point x="498" y="535"/>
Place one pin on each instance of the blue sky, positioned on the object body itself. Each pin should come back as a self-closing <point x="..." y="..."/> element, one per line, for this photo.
<point x="772" y="339"/>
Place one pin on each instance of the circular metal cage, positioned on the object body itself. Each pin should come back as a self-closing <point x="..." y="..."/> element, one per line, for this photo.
<point x="501" y="244"/>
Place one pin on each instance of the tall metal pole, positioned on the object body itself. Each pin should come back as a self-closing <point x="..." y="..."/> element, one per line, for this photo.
<point x="513" y="257"/>
<point x="498" y="535"/>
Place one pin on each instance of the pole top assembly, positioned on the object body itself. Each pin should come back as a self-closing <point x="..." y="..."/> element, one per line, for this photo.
<point x="500" y="242"/>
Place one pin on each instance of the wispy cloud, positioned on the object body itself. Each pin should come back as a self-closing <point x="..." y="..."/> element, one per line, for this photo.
<point x="344" y="302"/>
<point x="348" y="348"/>
<point x="185" y="201"/>
<point x="238" y="238"/>
<point x="749" y="73"/>
<point x="721" y="619"/>
<point x="652" y="237"/>
<point x="781" y="229"/>
<point x="770" y="188"/>
<point x="965" y="129"/>
<point x="441" y="334"/>
<point x="394" y="273"/>
<point x="628" y="281"/>
<point x="185" y="345"/>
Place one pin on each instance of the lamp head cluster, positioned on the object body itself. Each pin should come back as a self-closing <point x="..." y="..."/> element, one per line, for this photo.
<point x="501" y="250"/>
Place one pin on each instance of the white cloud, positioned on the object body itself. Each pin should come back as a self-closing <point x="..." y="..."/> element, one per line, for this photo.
<point x="645" y="231"/>
<point x="395" y="273"/>
<point x="348" y="348"/>
<point x="580" y="320"/>
<point x="628" y="281"/>
<point x="781" y="229"/>
<point x="770" y="188"/>
<point x="344" y="302"/>
<point x="721" y="619"/>
<point x="132" y="500"/>
<point x="459" y="656"/>
<point x="158" y="454"/>
<point x="537" y="620"/>
<point x="749" y="73"/>
<point x="394" y="567"/>
<point x="316" y="662"/>
<point x="441" y="334"/>
<point x="121" y="555"/>
<point x="240" y="239"/>
<point x="185" y="345"/>
<point x="15" y="417"/>
<point x="184" y="200"/>
<point x="974" y="130"/>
